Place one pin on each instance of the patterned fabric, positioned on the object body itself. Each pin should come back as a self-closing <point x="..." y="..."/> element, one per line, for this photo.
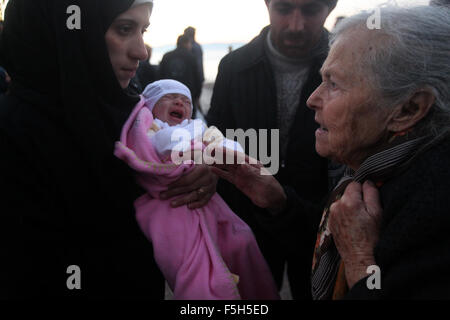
<point x="328" y="273"/>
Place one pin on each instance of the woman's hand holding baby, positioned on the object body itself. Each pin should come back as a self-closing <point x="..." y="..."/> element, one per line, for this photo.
<point x="198" y="186"/>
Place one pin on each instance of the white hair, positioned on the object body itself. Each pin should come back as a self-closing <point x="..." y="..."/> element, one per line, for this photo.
<point x="411" y="51"/>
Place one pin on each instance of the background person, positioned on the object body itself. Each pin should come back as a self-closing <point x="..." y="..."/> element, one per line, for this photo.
<point x="147" y="72"/>
<point x="389" y="122"/>
<point x="198" y="53"/>
<point x="181" y="65"/>
<point x="265" y="85"/>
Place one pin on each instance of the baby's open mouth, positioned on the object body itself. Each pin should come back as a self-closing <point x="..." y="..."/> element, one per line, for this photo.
<point x="176" y="114"/>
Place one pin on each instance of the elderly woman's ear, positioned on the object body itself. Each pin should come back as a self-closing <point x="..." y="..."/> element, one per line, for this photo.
<point x="408" y="114"/>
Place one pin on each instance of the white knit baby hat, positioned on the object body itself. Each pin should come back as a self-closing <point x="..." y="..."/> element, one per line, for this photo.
<point x="158" y="89"/>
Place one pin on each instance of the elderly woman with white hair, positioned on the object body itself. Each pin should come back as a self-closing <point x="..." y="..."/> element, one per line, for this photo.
<point x="383" y="110"/>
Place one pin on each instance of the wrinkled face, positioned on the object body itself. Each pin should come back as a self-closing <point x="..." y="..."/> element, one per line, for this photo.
<point x="125" y="43"/>
<point x="172" y="108"/>
<point x="296" y="25"/>
<point x="351" y="125"/>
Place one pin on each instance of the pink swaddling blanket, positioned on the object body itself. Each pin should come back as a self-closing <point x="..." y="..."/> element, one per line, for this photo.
<point x="198" y="251"/>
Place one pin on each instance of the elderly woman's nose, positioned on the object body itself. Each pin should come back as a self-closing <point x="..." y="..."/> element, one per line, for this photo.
<point x="314" y="101"/>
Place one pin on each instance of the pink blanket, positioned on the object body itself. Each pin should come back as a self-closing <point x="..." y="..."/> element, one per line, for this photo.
<point x="199" y="250"/>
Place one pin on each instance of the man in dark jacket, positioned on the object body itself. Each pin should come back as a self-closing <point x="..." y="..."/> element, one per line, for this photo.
<point x="181" y="65"/>
<point x="147" y="72"/>
<point x="197" y="51"/>
<point x="265" y="85"/>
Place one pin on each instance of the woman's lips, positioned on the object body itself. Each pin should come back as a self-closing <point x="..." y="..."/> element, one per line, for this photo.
<point x="130" y="73"/>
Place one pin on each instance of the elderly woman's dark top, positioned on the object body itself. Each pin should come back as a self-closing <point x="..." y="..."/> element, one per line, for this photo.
<point x="413" y="251"/>
<point x="66" y="200"/>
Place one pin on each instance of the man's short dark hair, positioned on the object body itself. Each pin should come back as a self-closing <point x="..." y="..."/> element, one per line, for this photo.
<point x="330" y="3"/>
<point x="183" y="40"/>
<point x="190" y="32"/>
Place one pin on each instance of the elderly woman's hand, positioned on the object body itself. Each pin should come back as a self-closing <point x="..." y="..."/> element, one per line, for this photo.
<point x="199" y="186"/>
<point x="354" y="222"/>
<point x="262" y="189"/>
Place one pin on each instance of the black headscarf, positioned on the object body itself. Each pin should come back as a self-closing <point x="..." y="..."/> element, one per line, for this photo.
<point x="67" y="74"/>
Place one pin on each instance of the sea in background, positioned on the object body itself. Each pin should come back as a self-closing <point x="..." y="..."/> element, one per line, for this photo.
<point x="212" y="54"/>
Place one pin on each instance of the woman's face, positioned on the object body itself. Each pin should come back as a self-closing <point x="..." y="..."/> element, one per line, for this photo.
<point x="125" y="43"/>
<point x="351" y="125"/>
<point x="173" y="109"/>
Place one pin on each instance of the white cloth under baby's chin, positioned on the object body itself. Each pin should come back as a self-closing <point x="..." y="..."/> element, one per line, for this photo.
<point x="166" y="139"/>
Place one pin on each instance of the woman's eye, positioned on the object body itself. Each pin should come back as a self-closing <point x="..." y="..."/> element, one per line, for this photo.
<point x="125" y="30"/>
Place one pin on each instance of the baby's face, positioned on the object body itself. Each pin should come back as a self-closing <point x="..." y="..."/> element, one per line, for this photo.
<point x="172" y="108"/>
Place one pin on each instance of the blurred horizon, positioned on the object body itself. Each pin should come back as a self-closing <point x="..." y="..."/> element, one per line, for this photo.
<point x="231" y="21"/>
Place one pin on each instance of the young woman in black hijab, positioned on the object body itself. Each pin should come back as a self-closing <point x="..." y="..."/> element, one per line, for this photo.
<point x="66" y="200"/>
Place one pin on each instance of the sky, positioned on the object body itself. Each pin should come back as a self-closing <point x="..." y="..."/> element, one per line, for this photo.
<point x="226" y="21"/>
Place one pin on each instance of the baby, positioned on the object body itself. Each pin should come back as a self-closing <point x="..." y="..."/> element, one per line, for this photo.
<point x="204" y="254"/>
<point x="172" y="130"/>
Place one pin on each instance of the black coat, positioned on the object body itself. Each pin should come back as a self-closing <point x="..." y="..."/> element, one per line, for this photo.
<point x="413" y="251"/>
<point x="147" y="73"/>
<point x="245" y="97"/>
<point x="181" y="65"/>
<point x="55" y="213"/>
<point x="66" y="200"/>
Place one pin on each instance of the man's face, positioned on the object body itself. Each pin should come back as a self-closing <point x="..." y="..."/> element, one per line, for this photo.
<point x="296" y="25"/>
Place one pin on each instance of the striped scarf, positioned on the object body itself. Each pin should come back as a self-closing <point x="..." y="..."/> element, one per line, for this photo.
<point x="328" y="274"/>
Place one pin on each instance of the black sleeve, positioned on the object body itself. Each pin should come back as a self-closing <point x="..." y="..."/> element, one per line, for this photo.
<point x="298" y="222"/>
<point x="162" y="72"/>
<point x="417" y="274"/>
<point x="413" y="252"/>
<point x="29" y="238"/>
<point x="220" y="113"/>
<point x="196" y="79"/>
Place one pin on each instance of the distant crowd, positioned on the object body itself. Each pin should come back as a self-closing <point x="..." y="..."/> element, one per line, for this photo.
<point x="184" y="64"/>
